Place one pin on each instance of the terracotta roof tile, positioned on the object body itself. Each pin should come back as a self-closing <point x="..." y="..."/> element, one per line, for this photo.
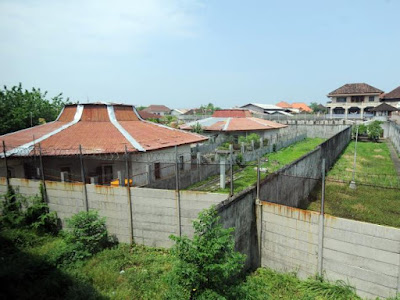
<point x="355" y="88"/>
<point x="283" y="104"/>
<point x="302" y="106"/>
<point x="395" y="94"/>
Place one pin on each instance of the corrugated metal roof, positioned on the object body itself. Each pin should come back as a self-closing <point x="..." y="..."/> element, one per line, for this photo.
<point x="97" y="134"/>
<point x="234" y="124"/>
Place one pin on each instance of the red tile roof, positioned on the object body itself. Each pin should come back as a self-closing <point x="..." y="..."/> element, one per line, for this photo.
<point x="301" y="106"/>
<point x="146" y="115"/>
<point x="157" y="108"/>
<point x="97" y="131"/>
<point x="232" y="113"/>
<point x="284" y="104"/>
<point x="355" y="88"/>
<point x="395" y="94"/>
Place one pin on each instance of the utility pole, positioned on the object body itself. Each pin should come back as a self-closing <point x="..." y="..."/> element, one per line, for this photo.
<point x="231" y="169"/>
<point x="321" y="223"/>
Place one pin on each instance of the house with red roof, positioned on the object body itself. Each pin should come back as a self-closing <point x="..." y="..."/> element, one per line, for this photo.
<point x="296" y="107"/>
<point x="104" y="134"/>
<point x="160" y="110"/>
<point x="234" y="123"/>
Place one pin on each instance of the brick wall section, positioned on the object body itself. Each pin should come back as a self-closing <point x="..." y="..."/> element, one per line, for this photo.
<point x="363" y="254"/>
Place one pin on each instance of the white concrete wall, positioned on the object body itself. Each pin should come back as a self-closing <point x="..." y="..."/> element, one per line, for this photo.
<point x="363" y="254"/>
<point x="154" y="211"/>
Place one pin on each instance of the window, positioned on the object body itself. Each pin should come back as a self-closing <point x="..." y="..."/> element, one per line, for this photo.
<point x="68" y="171"/>
<point x="157" y="170"/>
<point x="341" y="99"/>
<point x="181" y="162"/>
<point x="357" y="99"/>
<point x="371" y="98"/>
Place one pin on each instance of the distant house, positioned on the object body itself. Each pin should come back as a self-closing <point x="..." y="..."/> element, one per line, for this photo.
<point x="296" y="107"/>
<point x="235" y="123"/>
<point x="177" y="112"/>
<point x="104" y="132"/>
<point x="392" y="98"/>
<point x="266" y="108"/>
<point x="357" y="99"/>
<point x="160" y="110"/>
<point x="146" y="115"/>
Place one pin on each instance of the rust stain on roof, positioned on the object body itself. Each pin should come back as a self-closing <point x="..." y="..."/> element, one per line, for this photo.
<point x="152" y="136"/>
<point x="68" y="114"/>
<point x="125" y="113"/>
<point x="95" y="113"/>
<point x="97" y="134"/>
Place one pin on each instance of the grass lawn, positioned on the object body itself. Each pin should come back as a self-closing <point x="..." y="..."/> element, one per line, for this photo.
<point x="248" y="175"/>
<point x="367" y="203"/>
<point x="123" y="272"/>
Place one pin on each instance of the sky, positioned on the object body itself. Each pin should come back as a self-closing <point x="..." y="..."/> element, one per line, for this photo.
<point x="184" y="53"/>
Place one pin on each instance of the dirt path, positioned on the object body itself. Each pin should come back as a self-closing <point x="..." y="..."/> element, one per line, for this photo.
<point x="394" y="156"/>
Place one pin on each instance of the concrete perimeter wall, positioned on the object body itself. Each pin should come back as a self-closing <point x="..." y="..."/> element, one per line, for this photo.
<point x="365" y="255"/>
<point x="393" y="133"/>
<point x="155" y="213"/>
<point x="292" y="184"/>
<point x="239" y="212"/>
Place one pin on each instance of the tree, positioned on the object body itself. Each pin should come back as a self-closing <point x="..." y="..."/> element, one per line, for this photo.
<point x="207" y="264"/>
<point x="374" y="130"/>
<point x="318" y="108"/>
<point x="197" y="128"/>
<point x="18" y="107"/>
<point x="209" y="109"/>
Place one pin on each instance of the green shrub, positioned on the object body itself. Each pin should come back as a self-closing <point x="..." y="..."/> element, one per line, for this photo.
<point x="88" y="232"/>
<point x="240" y="160"/>
<point x="374" y="130"/>
<point x="12" y="215"/>
<point x="197" y="128"/>
<point x="39" y="217"/>
<point x="207" y="265"/>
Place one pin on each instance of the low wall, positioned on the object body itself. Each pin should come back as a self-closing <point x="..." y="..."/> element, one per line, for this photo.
<point x="292" y="184"/>
<point x="156" y="213"/>
<point x="367" y="256"/>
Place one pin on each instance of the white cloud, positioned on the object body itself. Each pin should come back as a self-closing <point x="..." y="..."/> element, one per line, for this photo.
<point x="92" y="26"/>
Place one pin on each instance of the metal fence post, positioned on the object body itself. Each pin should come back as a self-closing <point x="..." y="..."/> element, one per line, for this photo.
<point x="231" y="169"/>
<point x="128" y="185"/>
<point x="42" y="175"/>
<point x="321" y="223"/>
<point x="5" y="162"/>
<point x="86" y="203"/>
<point x="178" y="196"/>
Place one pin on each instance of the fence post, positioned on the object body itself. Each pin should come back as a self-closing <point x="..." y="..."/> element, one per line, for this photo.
<point x="5" y="162"/>
<point x="321" y="223"/>
<point x="259" y="213"/>
<point x="85" y="196"/>
<point x="128" y="186"/>
<point x="177" y="193"/>
<point x="42" y="175"/>
<point x="231" y="169"/>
